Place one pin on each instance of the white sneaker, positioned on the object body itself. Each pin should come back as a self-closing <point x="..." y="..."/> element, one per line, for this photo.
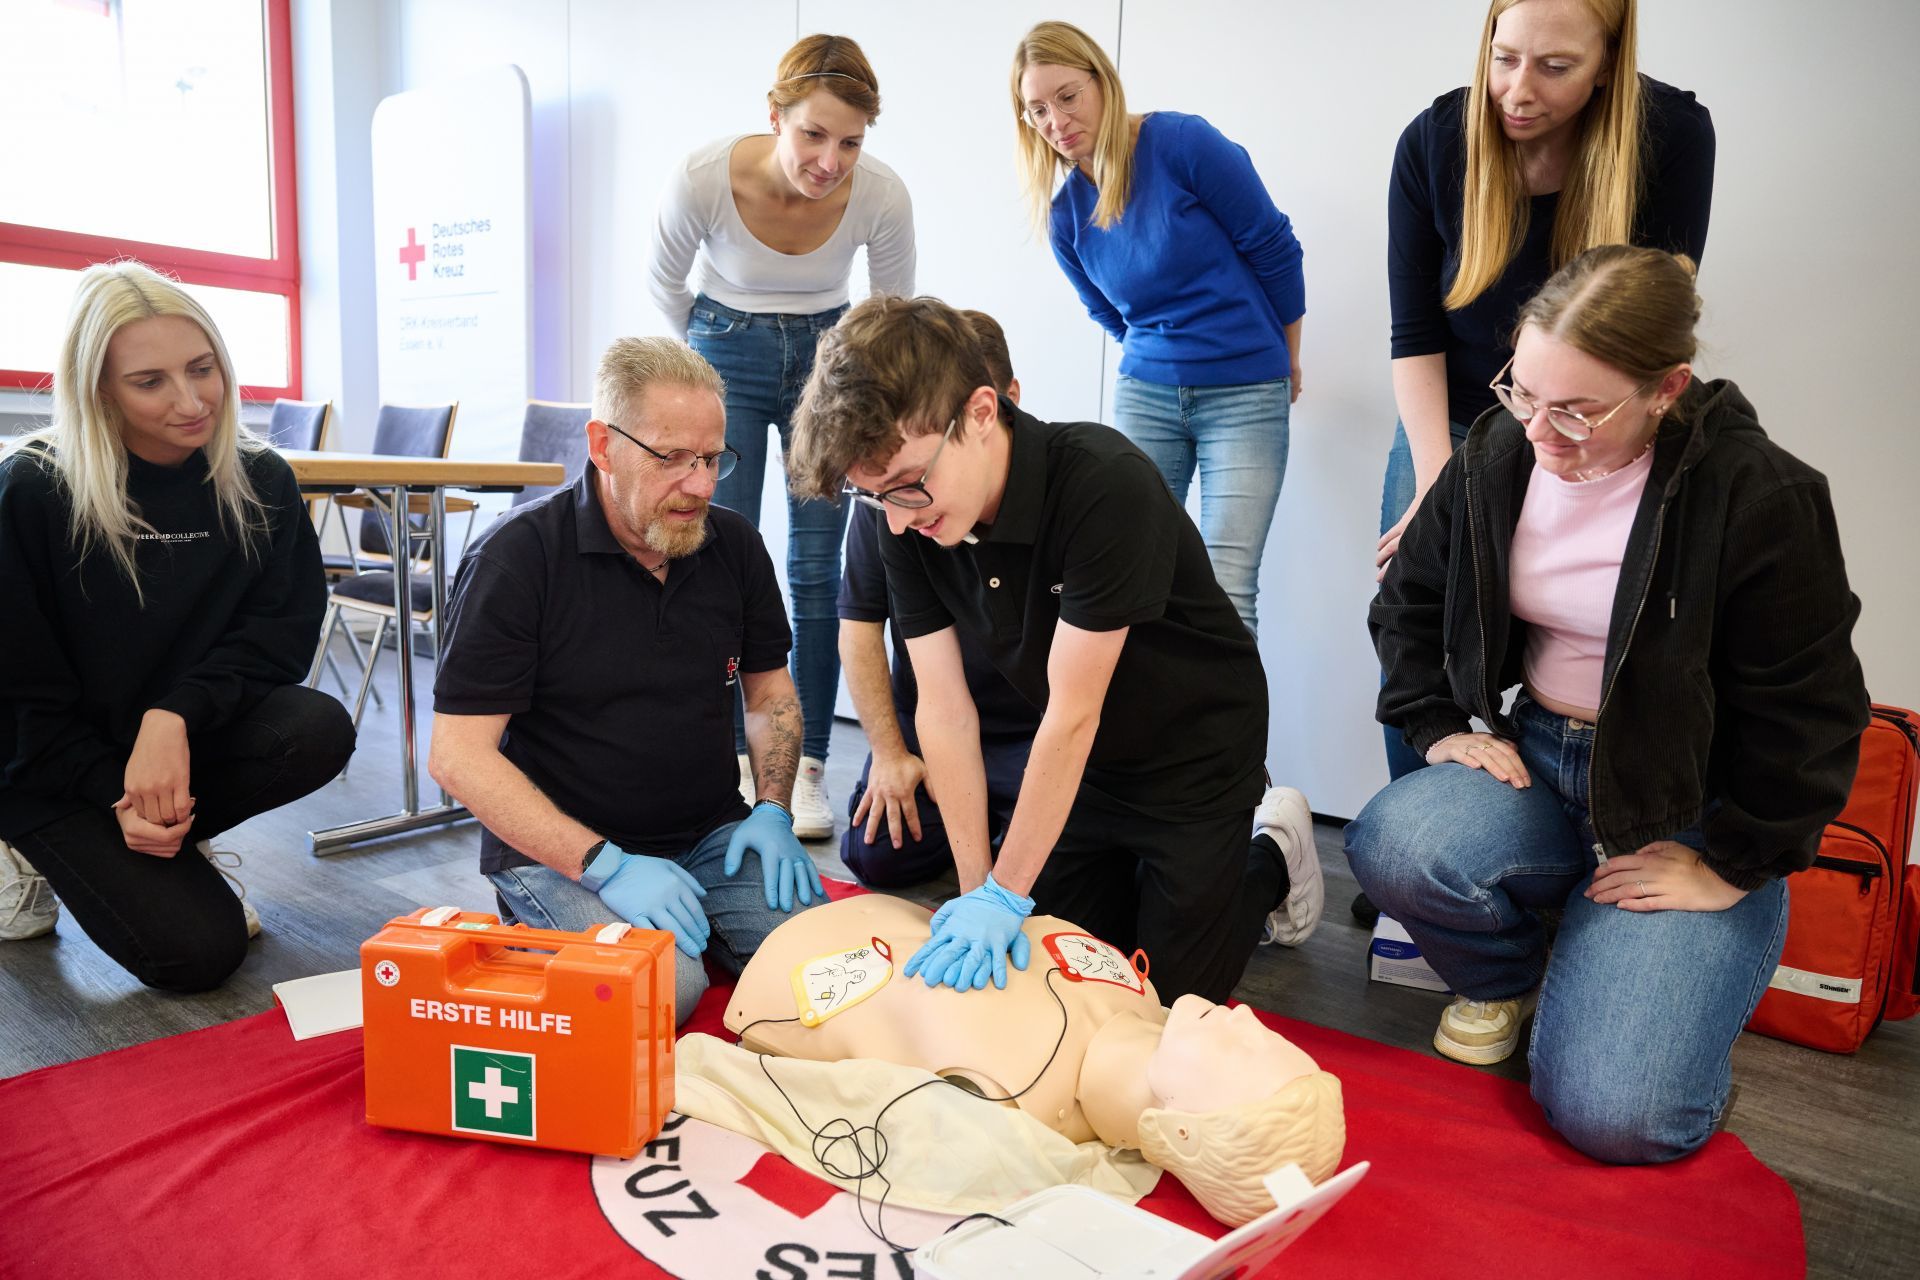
<point x="222" y="859"/>
<point x="1483" y="1032"/>
<point x="1285" y="818"/>
<point x="746" y="779"/>
<point x="27" y="905"/>
<point x="812" y="817"/>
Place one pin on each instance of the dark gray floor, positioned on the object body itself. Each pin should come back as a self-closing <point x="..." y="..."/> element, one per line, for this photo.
<point x="1844" y="1131"/>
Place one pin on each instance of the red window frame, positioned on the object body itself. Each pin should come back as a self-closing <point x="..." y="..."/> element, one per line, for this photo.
<point x="279" y="274"/>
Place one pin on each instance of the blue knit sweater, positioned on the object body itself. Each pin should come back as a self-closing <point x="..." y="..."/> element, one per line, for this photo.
<point x="1201" y="274"/>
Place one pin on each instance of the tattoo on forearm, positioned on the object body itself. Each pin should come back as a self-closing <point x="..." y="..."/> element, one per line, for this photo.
<point x="779" y="751"/>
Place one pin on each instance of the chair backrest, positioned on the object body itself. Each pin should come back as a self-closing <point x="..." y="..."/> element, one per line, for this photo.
<point x="553" y="432"/>
<point x="407" y="431"/>
<point x="300" y="424"/>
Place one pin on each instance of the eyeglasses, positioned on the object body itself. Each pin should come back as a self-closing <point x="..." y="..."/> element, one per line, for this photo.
<point x="1572" y="424"/>
<point x="1067" y="101"/>
<point x="911" y="497"/>
<point x="680" y="462"/>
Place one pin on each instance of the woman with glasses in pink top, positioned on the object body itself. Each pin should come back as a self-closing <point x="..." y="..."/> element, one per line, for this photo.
<point x="1664" y="584"/>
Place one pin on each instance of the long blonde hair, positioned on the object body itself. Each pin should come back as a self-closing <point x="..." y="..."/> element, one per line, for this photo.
<point x="84" y="447"/>
<point x="1601" y="194"/>
<point x="1061" y="44"/>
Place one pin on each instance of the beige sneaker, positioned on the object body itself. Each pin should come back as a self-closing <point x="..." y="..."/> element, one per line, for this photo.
<point x="812" y="817"/>
<point x="1483" y="1032"/>
<point x="746" y="779"/>
<point x="27" y="905"/>
<point x="222" y="859"/>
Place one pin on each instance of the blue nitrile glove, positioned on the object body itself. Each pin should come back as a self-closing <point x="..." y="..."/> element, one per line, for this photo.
<point x="972" y="937"/>
<point x="784" y="866"/>
<point x="656" y="893"/>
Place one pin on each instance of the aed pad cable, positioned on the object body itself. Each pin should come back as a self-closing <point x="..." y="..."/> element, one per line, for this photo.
<point x="870" y="1143"/>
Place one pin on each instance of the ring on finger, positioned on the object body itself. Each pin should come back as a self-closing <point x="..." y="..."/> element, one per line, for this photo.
<point x="1641" y="886"/>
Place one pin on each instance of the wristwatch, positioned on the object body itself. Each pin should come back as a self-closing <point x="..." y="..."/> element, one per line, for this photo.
<point x="599" y="865"/>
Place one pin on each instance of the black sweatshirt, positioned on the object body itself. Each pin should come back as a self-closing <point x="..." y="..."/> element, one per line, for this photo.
<point x="82" y="659"/>
<point x="1423" y="240"/>
<point x="1730" y="674"/>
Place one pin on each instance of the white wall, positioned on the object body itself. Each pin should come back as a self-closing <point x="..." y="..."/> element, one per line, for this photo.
<point x="1808" y="265"/>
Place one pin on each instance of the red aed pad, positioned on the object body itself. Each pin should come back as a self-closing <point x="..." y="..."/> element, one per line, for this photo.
<point x="532" y="1037"/>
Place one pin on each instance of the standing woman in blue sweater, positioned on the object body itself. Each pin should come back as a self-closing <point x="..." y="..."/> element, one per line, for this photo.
<point x="1171" y="240"/>
<point x="1560" y="144"/>
<point x="163" y="598"/>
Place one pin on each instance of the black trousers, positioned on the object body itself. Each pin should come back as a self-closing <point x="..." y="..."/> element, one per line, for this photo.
<point x="1193" y="895"/>
<point x="173" y="922"/>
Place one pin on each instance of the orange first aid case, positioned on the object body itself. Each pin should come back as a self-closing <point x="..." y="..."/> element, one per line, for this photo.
<point x="534" y="1037"/>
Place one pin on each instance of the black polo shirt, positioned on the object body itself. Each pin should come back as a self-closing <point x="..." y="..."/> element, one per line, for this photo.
<point x="1005" y="716"/>
<point x="1087" y="533"/>
<point x="620" y="687"/>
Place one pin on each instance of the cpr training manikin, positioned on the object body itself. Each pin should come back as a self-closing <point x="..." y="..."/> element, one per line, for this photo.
<point x="1077" y="1047"/>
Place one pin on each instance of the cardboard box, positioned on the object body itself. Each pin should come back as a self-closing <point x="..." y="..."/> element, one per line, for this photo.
<point x="1393" y="957"/>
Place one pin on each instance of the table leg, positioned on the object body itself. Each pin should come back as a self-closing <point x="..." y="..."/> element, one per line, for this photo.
<point x="400" y="540"/>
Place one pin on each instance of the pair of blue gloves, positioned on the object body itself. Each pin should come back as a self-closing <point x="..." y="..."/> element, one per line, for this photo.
<point x="658" y="893"/>
<point x="973" y="937"/>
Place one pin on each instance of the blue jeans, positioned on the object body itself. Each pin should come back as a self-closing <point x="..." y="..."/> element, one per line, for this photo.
<point x="1237" y="436"/>
<point x="1396" y="495"/>
<point x="1633" y="1037"/>
<point x="765" y="360"/>
<point x="878" y="865"/>
<point x="545" y="899"/>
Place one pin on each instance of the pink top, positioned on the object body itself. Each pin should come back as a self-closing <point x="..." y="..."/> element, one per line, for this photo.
<point x="1565" y="566"/>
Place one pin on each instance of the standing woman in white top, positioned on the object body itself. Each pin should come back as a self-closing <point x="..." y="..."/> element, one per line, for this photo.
<point x="779" y="217"/>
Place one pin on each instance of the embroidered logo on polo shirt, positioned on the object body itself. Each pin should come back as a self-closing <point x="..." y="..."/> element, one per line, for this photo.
<point x="733" y="672"/>
<point x="1056" y="587"/>
<point x="194" y="536"/>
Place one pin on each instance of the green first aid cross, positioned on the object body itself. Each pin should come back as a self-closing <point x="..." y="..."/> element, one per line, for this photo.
<point x="493" y="1092"/>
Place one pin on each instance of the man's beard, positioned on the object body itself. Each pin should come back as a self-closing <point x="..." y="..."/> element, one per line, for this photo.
<point x="674" y="539"/>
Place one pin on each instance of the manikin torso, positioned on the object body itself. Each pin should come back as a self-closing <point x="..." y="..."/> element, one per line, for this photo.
<point x="1117" y="1057"/>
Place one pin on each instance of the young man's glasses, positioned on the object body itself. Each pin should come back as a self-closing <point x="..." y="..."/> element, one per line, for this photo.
<point x="1067" y="102"/>
<point x="911" y="497"/>
<point x="680" y="462"/>
<point x="1571" y="423"/>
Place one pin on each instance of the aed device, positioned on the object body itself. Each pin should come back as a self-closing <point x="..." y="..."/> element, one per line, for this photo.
<point x="531" y="1037"/>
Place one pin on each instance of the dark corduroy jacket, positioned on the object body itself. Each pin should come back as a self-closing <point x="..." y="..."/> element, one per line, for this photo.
<point x="1729" y="675"/>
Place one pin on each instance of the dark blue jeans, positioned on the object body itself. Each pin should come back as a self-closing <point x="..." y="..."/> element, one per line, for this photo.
<point x="879" y="865"/>
<point x="1633" y="1037"/>
<point x="765" y="360"/>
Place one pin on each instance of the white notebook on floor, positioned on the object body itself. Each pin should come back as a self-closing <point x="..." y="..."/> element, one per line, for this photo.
<point x="321" y="1005"/>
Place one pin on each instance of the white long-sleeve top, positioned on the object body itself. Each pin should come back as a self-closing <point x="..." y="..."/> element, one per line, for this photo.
<point x="697" y="219"/>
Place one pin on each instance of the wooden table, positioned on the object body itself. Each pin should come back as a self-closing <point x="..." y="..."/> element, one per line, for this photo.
<point x="391" y="482"/>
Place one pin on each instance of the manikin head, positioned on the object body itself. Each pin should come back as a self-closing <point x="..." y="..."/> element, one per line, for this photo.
<point x="1238" y="1100"/>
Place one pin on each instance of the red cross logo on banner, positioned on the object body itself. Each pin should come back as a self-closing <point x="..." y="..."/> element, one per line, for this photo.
<point x="412" y="253"/>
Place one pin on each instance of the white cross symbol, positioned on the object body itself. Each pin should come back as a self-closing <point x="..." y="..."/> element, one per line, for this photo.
<point x="494" y="1093"/>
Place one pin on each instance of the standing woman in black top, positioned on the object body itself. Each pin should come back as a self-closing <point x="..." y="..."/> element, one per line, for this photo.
<point x="164" y="595"/>
<point x="1559" y="144"/>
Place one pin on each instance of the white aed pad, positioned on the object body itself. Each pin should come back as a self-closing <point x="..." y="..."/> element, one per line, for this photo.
<point x="1074" y="1233"/>
<point x="1394" y="957"/>
<point x="834" y="983"/>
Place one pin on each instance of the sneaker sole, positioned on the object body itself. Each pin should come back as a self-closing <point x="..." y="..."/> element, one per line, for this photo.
<point x="15" y="934"/>
<point x="1475" y="1055"/>
<point x="812" y="831"/>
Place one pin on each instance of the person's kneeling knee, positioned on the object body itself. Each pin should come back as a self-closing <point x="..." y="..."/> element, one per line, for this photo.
<point x="1621" y="1125"/>
<point x="196" y="965"/>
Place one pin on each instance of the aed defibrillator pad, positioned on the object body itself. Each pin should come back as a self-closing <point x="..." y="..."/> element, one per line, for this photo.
<point x="834" y="983"/>
<point x="1084" y="958"/>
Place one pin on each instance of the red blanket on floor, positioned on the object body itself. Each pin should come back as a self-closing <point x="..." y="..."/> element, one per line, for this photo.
<point x="237" y="1151"/>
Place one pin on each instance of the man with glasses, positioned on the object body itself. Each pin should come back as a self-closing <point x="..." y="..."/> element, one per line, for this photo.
<point x="896" y="836"/>
<point x="1090" y="590"/>
<point x="584" y="705"/>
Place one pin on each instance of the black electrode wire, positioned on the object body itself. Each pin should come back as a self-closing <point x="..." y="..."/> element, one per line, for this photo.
<point x="827" y="1137"/>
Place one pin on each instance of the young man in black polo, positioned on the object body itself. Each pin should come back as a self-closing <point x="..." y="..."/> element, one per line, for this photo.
<point x="584" y="707"/>
<point x="896" y="836"/>
<point x="1059" y="549"/>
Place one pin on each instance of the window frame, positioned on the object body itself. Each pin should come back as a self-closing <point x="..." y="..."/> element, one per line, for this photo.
<point x="279" y="274"/>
